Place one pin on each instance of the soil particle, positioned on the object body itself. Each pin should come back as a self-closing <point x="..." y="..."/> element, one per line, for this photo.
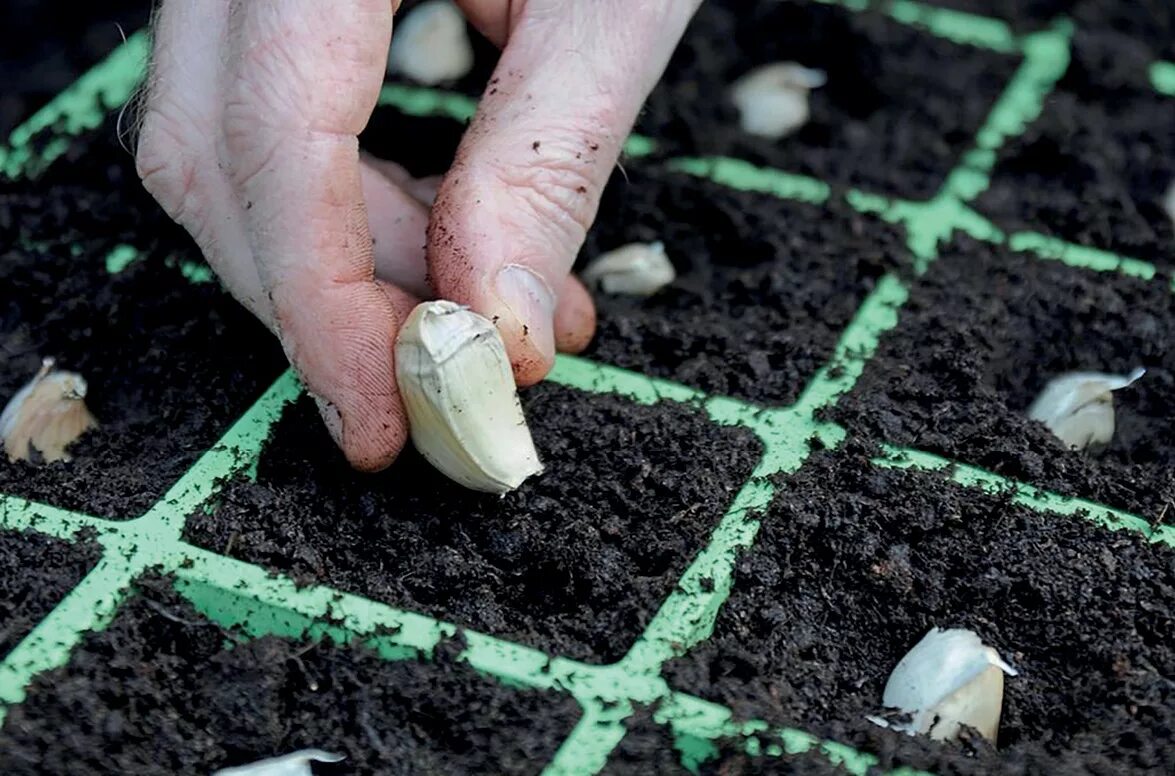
<point x="575" y="562"/>
<point x="854" y="564"/>
<point x="164" y="690"/>
<point x="983" y="332"/>
<point x="764" y="287"/>
<point x="36" y="571"/>
<point x="899" y="108"/>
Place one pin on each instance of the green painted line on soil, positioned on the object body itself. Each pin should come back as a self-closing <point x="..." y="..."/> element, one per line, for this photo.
<point x="877" y="314"/>
<point x="956" y="26"/>
<point x="587" y="747"/>
<point x="1046" y="57"/>
<point x="592" y="377"/>
<point x="19" y="514"/>
<point x="1163" y="77"/>
<point x="1023" y="494"/>
<point x="744" y="176"/>
<point x="87" y="608"/>
<point x="81" y="106"/>
<point x="422" y="101"/>
<point x="1079" y="255"/>
<point x="121" y="257"/>
<point x="233" y="453"/>
<point x="926" y="223"/>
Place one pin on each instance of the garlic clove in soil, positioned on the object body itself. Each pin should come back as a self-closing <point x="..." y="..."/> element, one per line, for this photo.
<point x="431" y="46"/>
<point x="947" y="680"/>
<point x="46" y="416"/>
<point x="463" y="410"/>
<point x="636" y="269"/>
<point x="1078" y="407"/>
<point x="773" y="99"/>
<point x="293" y="764"/>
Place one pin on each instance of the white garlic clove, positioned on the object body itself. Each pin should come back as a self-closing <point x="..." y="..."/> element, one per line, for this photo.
<point x="1078" y="407"/>
<point x="463" y="410"/>
<point x="431" y="46"/>
<point x="636" y="269"/>
<point x="947" y="680"/>
<point x="773" y="99"/>
<point x="293" y="764"/>
<point x="46" y="416"/>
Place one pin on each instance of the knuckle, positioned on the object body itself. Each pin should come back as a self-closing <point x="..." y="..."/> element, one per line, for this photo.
<point x="555" y="192"/>
<point x="166" y="165"/>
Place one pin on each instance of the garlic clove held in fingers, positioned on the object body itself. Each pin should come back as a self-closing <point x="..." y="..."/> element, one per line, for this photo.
<point x="431" y="45"/>
<point x="1078" y="407"/>
<point x="636" y="269"/>
<point x="947" y="680"/>
<point x="46" y="416"/>
<point x="772" y="100"/>
<point x="292" y="764"/>
<point x="463" y="410"/>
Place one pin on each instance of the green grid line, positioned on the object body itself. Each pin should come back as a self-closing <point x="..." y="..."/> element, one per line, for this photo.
<point x="235" y="593"/>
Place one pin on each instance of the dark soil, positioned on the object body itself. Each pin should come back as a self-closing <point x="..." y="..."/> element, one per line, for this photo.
<point x="36" y="572"/>
<point x="164" y="690"/>
<point x="768" y="285"/>
<point x="854" y="564"/>
<point x="899" y="109"/>
<point x="983" y="332"/>
<point x="1093" y="169"/>
<point x="575" y="562"/>
<point x="169" y="364"/>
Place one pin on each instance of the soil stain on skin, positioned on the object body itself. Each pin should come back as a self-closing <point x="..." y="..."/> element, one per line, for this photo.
<point x="36" y="572"/>
<point x="575" y="562"/>
<point x="164" y="690"/>
<point x="853" y="565"/>
<point x="764" y="288"/>
<point x="983" y="332"/>
<point x="899" y="109"/>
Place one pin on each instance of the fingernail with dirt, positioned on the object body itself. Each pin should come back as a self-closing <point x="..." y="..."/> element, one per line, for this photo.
<point x="530" y="300"/>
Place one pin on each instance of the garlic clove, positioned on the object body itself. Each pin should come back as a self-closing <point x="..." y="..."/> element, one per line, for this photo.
<point x="1078" y="407"/>
<point x="637" y="269"/>
<point x="431" y="46"/>
<point x="773" y="99"/>
<point x="463" y="410"/>
<point x="293" y="764"/>
<point x="947" y="680"/>
<point x="46" y="416"/>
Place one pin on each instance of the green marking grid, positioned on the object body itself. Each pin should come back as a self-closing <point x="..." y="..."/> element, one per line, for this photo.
<point x="234" y="593"/>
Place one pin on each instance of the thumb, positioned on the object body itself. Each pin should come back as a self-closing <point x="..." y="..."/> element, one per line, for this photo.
<point x="513" y="211"/>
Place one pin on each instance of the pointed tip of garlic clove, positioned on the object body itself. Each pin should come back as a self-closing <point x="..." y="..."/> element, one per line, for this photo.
<point x="772" y="100"/>
<point x="431" y="45"/>
<point x="293" y="764"/>
<point x="1078" y="407"/>
<point x="46" y="416"/>
<point x="947" y="680"/>
<point x="635" y="269"/>
<point x="458" y="387"/>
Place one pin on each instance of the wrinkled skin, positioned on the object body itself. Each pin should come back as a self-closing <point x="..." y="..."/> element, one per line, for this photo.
<point x="249" y="140"/>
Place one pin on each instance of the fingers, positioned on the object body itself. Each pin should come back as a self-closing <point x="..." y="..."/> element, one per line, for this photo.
<point x="575" y="317"/>
<point x="512" y="213"/>
<point x="303" y="78"/>
<point x="398" y="222"/>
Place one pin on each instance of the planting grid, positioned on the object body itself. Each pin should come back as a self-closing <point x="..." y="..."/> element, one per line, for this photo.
<point x="238" y="594"/>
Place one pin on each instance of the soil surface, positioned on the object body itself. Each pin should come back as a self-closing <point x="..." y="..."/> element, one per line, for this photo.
<point x="899" y="109"/>
<point x="169" y="364"/>
<point x="983" y="332"/>
<point x="764" y="287"/>
<point x="1094" y="168"/>
<point x="853" y="565"/>
<point x="164" y="690"/>
<point x="36" y="572"/>
<point x="575" y="562"/>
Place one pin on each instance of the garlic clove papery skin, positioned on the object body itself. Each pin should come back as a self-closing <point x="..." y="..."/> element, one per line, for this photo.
<point x="463" y="410"/>
<point x="772" y="100"/>
<point x="46" y="416"/>
<point x="431" y="46"/>
<point x="1078" y="407"/>
<point x="636" y="269"/>
<point x="948" y="679"/>
<point x="293" y="764"/>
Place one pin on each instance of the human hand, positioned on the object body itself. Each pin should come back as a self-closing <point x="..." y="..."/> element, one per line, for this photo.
<point x="249" y="141"/>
